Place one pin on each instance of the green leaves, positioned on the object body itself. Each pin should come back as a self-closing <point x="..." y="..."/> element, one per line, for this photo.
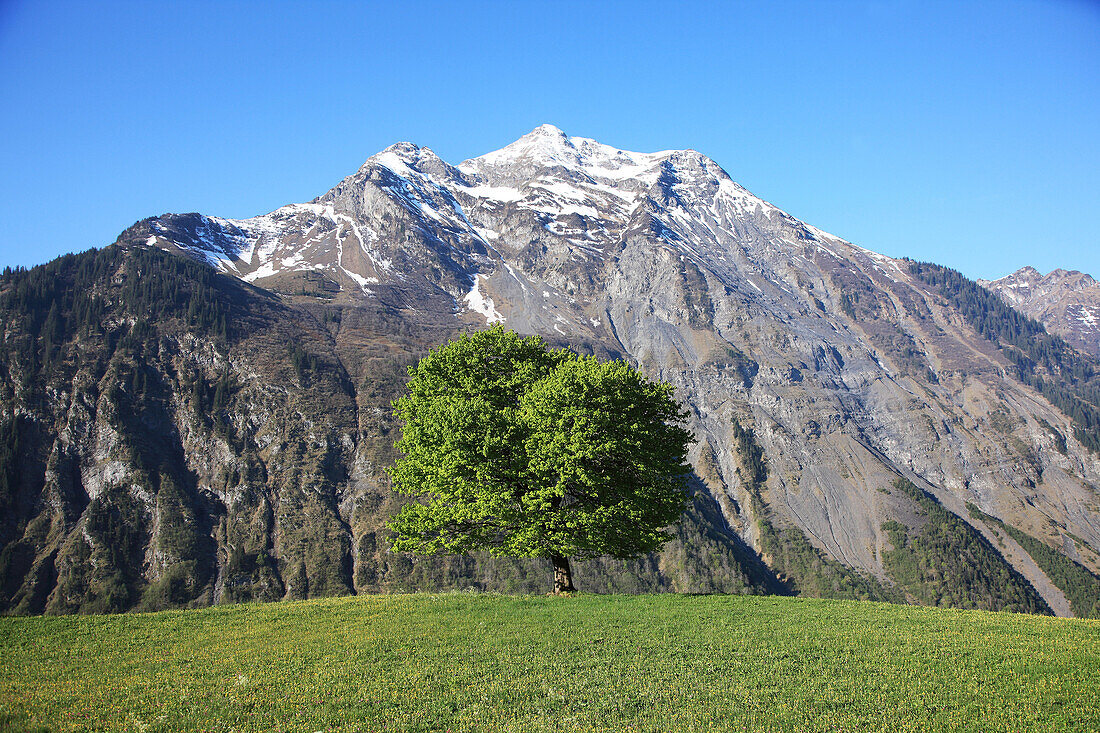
<point x="528" y="452"/>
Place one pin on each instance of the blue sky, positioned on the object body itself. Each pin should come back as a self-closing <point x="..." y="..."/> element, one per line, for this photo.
<point x="965" y="133"/>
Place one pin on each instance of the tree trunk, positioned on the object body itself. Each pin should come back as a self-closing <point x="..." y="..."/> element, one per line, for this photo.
<point x="563" y="575"/>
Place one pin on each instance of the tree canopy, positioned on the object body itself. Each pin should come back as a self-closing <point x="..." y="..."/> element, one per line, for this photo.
<point x="524" y="451"/>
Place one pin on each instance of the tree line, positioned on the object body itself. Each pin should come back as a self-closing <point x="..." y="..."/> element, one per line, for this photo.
<point x="74" y="295"/>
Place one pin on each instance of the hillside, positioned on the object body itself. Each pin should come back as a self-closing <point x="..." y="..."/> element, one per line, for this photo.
<point x="174" y="437"/>
<point x="200" y="413"/>
<point x="468" y="662"/>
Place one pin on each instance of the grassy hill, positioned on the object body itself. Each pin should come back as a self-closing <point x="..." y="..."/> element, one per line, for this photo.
<point x="465" y="662"/>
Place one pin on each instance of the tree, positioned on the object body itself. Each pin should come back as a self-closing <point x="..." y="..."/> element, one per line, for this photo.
<point x="528" y="452"/>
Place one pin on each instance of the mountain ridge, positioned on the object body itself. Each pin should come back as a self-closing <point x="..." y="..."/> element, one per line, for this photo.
<point x="774" y="248"/>
<point x="847" y="371"/>
<point x="1067" y="302"/>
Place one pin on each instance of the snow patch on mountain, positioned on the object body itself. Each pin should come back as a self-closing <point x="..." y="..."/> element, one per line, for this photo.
<point x="479" y="303"/>
<point x="495" y="193"/>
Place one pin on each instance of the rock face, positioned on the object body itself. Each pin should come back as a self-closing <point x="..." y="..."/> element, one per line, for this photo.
<point x="1066" y="302"/>
<point x="818" y="375"/>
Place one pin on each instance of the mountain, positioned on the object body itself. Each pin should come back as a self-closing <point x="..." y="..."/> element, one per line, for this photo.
<point x="212" y="427"/>
<point x="1066" y="302"/>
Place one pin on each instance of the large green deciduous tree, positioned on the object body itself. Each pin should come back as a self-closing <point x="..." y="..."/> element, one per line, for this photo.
<point x="528" y="452"/>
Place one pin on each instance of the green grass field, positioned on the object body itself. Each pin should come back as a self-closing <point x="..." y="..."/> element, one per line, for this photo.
<point x="465" y="662"/>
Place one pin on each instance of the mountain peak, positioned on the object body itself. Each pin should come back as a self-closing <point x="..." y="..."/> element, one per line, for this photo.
<point x="411" y="161"/>
<point x="547" y="130"/>
<point x="548" y="146"/>
<point x="402" y="155"/>
<point x="1067" y="302"/>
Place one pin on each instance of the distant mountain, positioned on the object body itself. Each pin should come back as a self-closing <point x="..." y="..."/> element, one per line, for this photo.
<point x="176" y="436"/>
<point x="1066" y="302"/>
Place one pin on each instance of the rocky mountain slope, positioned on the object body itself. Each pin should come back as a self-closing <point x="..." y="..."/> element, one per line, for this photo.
<point x="847" y="409"/>
<point x="1066" y="302"/>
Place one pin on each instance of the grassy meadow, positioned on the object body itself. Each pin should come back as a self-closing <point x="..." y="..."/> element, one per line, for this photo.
<point x="473" y="662"/>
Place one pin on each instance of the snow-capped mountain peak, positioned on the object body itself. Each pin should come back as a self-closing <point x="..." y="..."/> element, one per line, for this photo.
<point x="548" y="146"/>
<point x="548" y="213"/>
<point x="398" y="157"/>
<point x="403" y="156"/>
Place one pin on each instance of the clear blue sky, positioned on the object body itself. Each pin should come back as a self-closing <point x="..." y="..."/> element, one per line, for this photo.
<point x="966" y="133"/>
